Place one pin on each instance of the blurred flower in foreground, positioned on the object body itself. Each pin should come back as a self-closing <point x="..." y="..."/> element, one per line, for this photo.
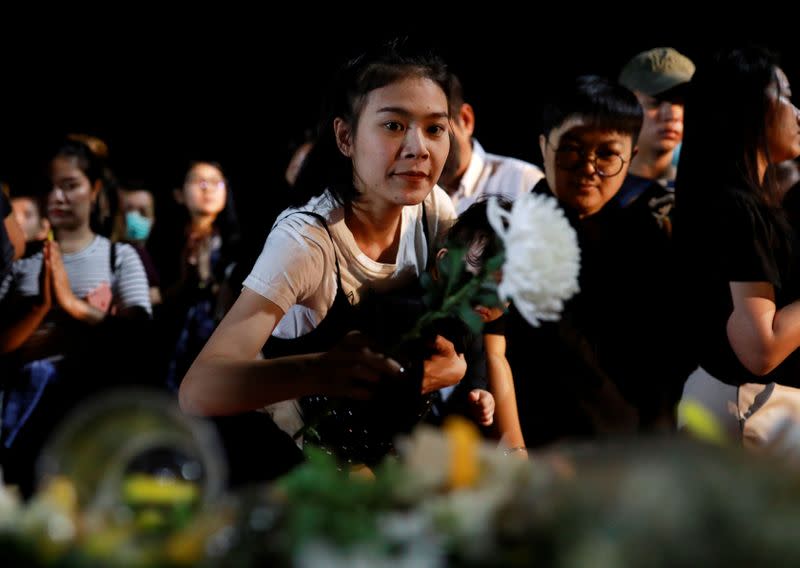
<point x="700" y="423"/>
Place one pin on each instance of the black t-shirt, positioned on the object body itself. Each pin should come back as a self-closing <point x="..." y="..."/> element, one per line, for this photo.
<point x="617" y="348"/>
<point x="736" y="238"/>
<point x="496" y="327"/>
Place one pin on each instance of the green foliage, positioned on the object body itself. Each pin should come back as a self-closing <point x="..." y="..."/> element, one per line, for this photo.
<point x="327" y="501"/>
<point x="456" y="292"/>
<point x="470" y="318"/>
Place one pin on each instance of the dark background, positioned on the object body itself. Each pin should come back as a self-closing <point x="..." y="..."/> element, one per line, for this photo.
<point x="229" y="87"/>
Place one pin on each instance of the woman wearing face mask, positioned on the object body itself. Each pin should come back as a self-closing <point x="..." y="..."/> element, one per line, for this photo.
<point x="134" y="222"/>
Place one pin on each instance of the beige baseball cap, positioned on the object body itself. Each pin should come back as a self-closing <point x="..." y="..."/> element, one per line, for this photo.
<point x="657" y="70"/>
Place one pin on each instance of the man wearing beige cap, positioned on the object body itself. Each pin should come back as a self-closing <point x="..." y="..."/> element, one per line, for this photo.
<point x="658" y="77"/>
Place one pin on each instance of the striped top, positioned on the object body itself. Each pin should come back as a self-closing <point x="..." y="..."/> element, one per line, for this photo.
<point x="86" y="270"/>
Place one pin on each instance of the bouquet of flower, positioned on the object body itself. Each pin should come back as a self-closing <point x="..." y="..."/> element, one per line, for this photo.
<point x="536" y="266"/>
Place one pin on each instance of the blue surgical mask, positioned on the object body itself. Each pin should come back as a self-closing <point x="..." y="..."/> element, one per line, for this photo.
<point x="137" y="226"/>
<point x="676" y="155"/>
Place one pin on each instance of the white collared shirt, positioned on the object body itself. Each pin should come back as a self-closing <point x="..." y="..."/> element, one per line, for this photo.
<point x="490" y="174"/>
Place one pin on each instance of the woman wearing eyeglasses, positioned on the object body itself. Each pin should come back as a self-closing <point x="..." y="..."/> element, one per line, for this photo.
<point x="194" y="254"/>
<point x="607" y="366"/>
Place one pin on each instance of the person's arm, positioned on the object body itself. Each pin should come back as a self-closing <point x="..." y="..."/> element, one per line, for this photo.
<point x="17" y="330"/>
<point x="62" y="291"/>
<point x="226" y="378"/>
<point x="15" y="333"/>
<point x="15" y="235"/>
<point x="761" y="335"/>
<point x="501" y="384"/>
<point x="131" y="291"/>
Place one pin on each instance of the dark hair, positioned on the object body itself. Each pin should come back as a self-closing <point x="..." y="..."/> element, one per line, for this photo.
<point x="604" y="104"/>
<point x="227" y="222"/>
<point x="325" y="167"/>
<point x="168" y="240"/>
<point x="129" y="183"/>
<point x="473" y="232"/>
<point x="726" y="117"/>
<point x="95" y="168"/>
<point x="455" y="97"/>
<point x="92" y="166"/>
<point x="125" y="185"/>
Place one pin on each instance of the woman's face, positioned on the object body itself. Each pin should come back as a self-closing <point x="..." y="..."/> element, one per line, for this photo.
<point x="70" y="201"/>
<point x="572" y="154"/>
<point x="204" y="191"/>
<point x="783" y="121"/>
<point x="401" y="142"/>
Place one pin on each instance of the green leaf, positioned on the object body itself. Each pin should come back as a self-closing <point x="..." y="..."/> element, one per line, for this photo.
<point x="495" y="263"/>
<point x="489" y="300"/>
<point x="452" y="267"/>
<point x="470" y="318"/>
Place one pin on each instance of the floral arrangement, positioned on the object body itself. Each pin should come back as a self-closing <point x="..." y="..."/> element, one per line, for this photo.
<point x="437" y="505"/>
<point x="537" y="265"/>
<point x="450" y="500"/>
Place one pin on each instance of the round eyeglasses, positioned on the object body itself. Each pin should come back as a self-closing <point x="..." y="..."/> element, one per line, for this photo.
<point x="207" y="183"/>
<point x="604" y="162"/>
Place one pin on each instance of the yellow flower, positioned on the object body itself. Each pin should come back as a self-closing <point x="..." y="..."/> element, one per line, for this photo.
<point x="61" y="493"/>
<point x="701" y="423"/>
<point x="464" y="439"/>
<point x="361" y="472"/>
<point x="146" y="489"/>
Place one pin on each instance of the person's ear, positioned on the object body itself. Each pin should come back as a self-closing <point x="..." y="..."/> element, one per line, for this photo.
<point x="177" y="195"/>
<point x="435" y="268"/>
<point x="344" y="136"/>
<point x="466" y="116"/>
<point x="634" y="152"/>
<point x="542" y="143"/>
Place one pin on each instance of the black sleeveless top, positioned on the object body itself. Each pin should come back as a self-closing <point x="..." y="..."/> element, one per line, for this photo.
<point x="363" y="431"/>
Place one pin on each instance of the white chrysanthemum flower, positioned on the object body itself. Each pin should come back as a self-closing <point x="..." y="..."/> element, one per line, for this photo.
<point x="426" y="456"/>
<point x="542" y="256"/>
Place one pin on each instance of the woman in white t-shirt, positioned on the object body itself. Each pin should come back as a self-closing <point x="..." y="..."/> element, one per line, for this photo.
<point x="367" y="219"/>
